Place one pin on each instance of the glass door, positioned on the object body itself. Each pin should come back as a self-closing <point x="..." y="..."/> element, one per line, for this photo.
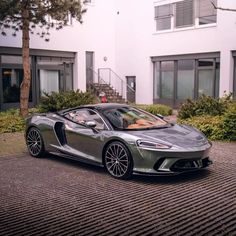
<point x="89" y="68"/>
<point x="11" y="77"/>
<point x="206" y="75"/>
<point x="164" y="82"/>
<point x="49" y="81"/>
<point x="53" y="75"/>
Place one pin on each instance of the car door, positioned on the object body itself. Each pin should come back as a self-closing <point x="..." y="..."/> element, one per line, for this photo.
<point x="88" y="142"/>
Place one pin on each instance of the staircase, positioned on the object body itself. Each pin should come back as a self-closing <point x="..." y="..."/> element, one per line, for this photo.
<point x="107" y="81"/>
<point x="111" y="94"/>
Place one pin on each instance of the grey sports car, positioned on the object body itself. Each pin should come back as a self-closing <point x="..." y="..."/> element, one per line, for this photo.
<point x="123" y="139"/>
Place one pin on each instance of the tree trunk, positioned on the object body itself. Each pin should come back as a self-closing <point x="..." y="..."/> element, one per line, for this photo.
<point x="25" y="85"/>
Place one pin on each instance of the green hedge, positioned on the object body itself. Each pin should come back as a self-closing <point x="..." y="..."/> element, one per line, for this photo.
<point x="11" y="121"/>
<point x="211" y="126"/>
<point x="156" y="109"/>
<point x="205" y="105"/>
<point x="229" y="122"/>
<point x="63" y="100"/>
<point x="217" y="120"/>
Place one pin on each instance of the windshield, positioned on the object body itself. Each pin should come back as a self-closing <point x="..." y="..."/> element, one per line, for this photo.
<point x="131" y="118"/>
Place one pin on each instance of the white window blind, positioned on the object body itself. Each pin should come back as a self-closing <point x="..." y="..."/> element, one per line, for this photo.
<point x="206" y="11"/>
<point x="184" y="13"/>
<point x="163" y="16"/>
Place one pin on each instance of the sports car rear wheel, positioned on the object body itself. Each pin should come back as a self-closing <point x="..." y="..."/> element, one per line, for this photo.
<point x="118" y="160"/>
<point x="34" y="142"/>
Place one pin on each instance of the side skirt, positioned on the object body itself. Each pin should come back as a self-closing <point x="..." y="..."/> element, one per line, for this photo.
<point x="76" y="158"/>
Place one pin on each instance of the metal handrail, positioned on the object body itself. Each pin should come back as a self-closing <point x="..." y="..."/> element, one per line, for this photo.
<point x="117" y="76"/>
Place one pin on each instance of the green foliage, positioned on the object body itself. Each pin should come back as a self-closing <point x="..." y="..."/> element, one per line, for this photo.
<point x="63" y="100"/>
<point x="205" y="105"/>
<point x="216" y="118"/>
<point x="229" y="123"/>
<point x="11" y="121"/>
<point x="211" y="126"/>
<point x="156" y="109"/>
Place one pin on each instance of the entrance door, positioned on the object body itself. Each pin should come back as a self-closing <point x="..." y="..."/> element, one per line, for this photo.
<point x="89" y="68"/>
<point x="131" y="87"/>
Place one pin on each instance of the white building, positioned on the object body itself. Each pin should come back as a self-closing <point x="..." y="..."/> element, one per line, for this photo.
<point x="168" y="50"/>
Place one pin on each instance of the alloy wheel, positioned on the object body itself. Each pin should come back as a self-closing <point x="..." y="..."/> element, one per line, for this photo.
<point x="34" y="142"/>
<point x="117" y="160"/>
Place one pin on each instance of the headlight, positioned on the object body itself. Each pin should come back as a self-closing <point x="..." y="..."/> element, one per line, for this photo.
<point x="152" y="145"/>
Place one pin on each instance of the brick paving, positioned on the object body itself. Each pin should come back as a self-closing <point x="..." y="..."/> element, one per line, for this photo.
<point x="12" y="144"/>
<point x="54" y="196"/>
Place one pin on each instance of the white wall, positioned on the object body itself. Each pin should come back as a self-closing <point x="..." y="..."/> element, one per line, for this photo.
<point x="139" y="42"/>
<point x="97" y="34"/>
<point x="124" y="32"/>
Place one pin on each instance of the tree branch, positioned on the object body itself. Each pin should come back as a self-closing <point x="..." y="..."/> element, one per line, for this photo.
<point x="222" y="8"/>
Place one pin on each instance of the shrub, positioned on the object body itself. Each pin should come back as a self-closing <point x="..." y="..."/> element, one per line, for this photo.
<point x="63" y="100"/>
<point x="187" y="109"/>
<point x="10" y="121"/>
<point x="211" y="126"/>
<point x="205" y="105"/>
<point x="156" y="109"/>
<point x="229" y="122"/>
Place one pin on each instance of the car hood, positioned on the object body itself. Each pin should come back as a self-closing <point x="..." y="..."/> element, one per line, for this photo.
<point x="180" y="135"/>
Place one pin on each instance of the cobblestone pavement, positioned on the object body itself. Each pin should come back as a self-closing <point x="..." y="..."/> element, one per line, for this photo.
<point x="54" y="196"/>
<point x="12" y="144"/>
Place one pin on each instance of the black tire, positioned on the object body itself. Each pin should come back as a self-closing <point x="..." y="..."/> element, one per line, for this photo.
<point x="34" y="142"/>
<point x="118" y="160"/>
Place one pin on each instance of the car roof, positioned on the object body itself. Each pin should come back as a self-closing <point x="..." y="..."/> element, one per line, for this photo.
<point x="99" y="106"/>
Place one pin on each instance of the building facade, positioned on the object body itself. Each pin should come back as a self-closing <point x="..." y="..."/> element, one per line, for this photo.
<point x="167" y="50"/>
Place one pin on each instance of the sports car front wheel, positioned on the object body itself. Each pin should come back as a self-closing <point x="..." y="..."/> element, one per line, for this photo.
<point x="118" y="160"/>
<point x="34" y="142"/>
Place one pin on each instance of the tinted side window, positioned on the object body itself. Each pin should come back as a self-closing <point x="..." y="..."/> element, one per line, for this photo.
<point x="83" y="115"/>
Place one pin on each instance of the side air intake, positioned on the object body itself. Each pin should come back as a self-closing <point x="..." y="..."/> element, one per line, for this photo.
<point x="60" y="132"/>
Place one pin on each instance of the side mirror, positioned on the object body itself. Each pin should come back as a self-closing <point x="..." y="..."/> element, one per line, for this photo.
<point x="91" y="124"/>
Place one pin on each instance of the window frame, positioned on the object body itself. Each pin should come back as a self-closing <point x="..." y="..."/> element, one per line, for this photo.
<point x="175" y="14"/>
<point x="164" y="16"/>
<point x="68" y="57"/>
<point x="173" y="28"/>
<point x="174" y="102"/>
<point x="7" y="105"/>
<point x="197" y="9"/>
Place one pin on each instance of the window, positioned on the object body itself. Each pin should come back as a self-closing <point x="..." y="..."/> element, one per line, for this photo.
<point x="163" y="16"/>
<point x="205" y="77"/>
<point x="89" y="2"/>
<point x="184" y="13"/>
<point x="49" y="81"/>
<point x="50" y="71"/>
<point x="55" y="74"/>
<point x="82" y="116"/>
<point x="206" y="12"/>
<point x="167" y="78"/>
<point x="179" y="77"/>
<point x="187" y="13"/>
<point x="11" y="81"/>
<point x="12" y="76"/>
<point x="130" y="118"/>
<point x="185" y="79"/>
<point x="163" y="79"/>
